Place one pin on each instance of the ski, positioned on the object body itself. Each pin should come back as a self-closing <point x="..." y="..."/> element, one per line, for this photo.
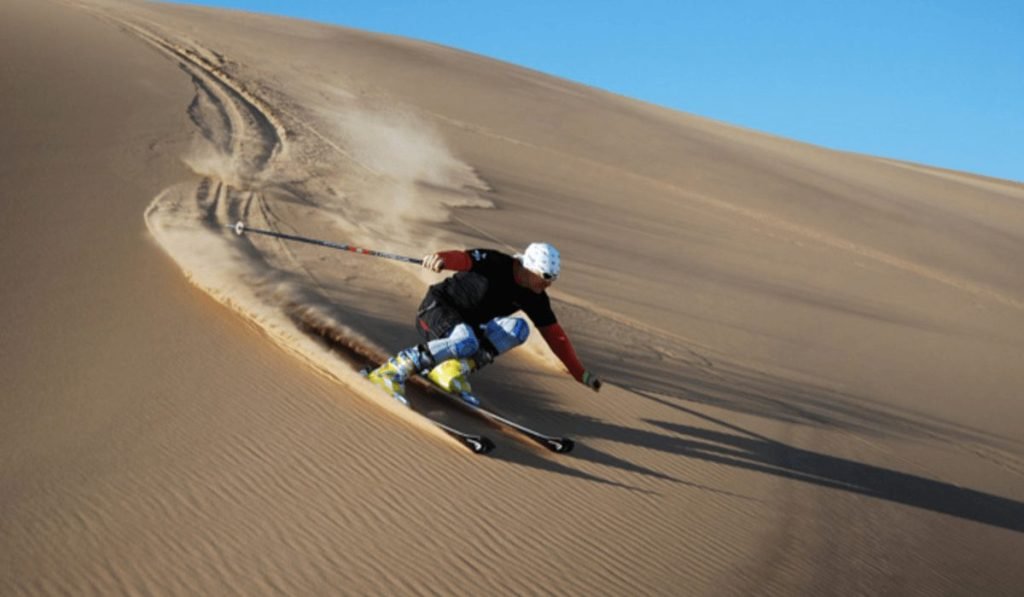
<point x="560" y="445"/>
<point x="477" y="444"/>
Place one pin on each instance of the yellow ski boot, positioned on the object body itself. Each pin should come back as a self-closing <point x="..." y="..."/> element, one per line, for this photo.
<point x="391" y="376"/>
<point x="450" y="376"/>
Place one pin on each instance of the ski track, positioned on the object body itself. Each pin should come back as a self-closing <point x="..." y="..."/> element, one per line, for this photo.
<point x="249" y="137"/>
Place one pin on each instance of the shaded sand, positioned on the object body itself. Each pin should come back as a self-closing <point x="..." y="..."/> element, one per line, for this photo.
<point x="813" y="357"/>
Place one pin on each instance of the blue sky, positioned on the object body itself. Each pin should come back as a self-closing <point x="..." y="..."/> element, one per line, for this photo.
<point x="936" y="82"/>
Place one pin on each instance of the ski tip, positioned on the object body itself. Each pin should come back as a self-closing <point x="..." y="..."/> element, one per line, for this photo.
<point x="479" y="445"/>
<point x="562" y="445"/>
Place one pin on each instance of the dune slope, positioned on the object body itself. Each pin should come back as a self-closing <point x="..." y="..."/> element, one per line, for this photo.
<point x="812" y="357"/>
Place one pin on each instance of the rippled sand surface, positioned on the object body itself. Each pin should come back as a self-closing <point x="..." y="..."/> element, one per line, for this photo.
<point x="812" y="358"/>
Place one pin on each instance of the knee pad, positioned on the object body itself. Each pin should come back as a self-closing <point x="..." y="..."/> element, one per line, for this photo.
<point x="461" y="343"/>
<point x="505" y="333"/>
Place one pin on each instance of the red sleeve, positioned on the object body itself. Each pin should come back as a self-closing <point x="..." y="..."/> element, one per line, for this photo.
<point x="561" y="346"/>
<point x="456" y="260"/>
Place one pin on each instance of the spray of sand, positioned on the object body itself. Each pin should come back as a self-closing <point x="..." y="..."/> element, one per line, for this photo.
<point x="408" y="180"/>
<point x="390" y="176"/>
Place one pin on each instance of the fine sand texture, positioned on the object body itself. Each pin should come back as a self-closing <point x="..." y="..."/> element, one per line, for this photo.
<point x="812" y="359"/>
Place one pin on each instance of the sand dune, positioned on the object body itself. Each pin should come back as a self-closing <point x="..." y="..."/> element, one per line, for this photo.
<point x="812" y="357"/>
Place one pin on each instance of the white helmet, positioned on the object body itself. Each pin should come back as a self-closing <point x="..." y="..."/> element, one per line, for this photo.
<point x="542" y="259"/>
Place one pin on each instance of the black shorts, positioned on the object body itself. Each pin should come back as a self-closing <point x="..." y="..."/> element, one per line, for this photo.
<point x="435" y="319"/>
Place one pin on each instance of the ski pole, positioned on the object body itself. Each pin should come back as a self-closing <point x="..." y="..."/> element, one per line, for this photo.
<point x="240" y="228"/>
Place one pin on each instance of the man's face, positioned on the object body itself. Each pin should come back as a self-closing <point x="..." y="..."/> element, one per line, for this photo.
<point x="535" y="282"/>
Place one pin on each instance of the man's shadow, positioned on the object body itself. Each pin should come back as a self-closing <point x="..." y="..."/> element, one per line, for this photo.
<point x="667" y="371"/>
<point x="750" y="451"/>
<point x="769" y="398"/>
